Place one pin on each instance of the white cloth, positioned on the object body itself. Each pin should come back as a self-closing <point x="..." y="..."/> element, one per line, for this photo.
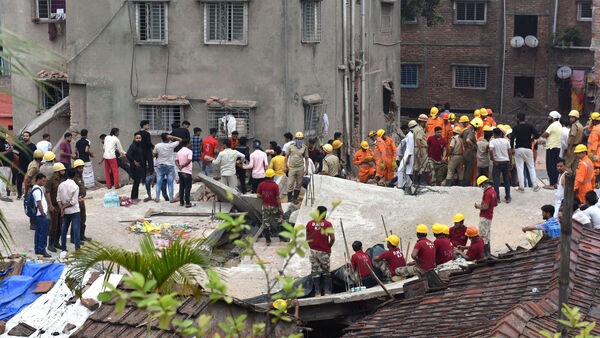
<point x="525" y="156"/>
<point x="580" y="217"/>
<point x="286" y="146"/>
<point x="229" y="124"/>
<point x="164" y="153"/>
<point x="501" y="149"/>
<point x="593" y="212"/>
<point x="111" y="145"/>
<point x="227" y="161"/>
<point x="559" y="194"/>
<point x="325" y="124"/>
<point x="564" y="140"/>
<point x="68" y="194"/>
<point x="39" y="195"/>
<point x="88" y="175"/>
<point x="44" y="145"/>
<point x="405" y="169"/>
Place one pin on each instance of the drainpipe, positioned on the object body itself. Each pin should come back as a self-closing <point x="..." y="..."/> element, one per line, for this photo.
<point x="285" y="65"/>
<point x="363" y="96"/>
<point x="352" y="74"/>
<point x="503" y="56"/>
<point x="344" y="67"/>
<point x="555" y="20"/>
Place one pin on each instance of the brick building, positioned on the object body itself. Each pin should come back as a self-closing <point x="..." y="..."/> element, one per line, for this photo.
<point x="503" y="55"/>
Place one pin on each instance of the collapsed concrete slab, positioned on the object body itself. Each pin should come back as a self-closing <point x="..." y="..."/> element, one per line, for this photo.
<point x="249" y="204"/>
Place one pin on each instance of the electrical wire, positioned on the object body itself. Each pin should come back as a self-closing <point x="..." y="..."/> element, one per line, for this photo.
<point x="133" y="67"/>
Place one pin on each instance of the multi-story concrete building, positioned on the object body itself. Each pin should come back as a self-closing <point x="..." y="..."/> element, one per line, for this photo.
<point x="508" y="55"/>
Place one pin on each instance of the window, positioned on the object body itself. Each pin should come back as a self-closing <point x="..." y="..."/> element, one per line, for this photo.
<point x="313" y="119"/>
<point x="469" y="12"/>
<point x="473" y="77"/>
<point x="4" y="64"/>
<point x="409" y="76"/>
<point x="222" y="120"/>
<point x="584" y="11"/>
<point x="524" y="87"/>
<point x="151" y="22"/>
<point x="412" y="21"/>
<point x="526" y="25"/>
<point x="161" y="116"/>
<point x="226" y="23"/>
<point x="50" y="9"/>
<point x="311" y="21"/>
<point x="53" y="92"/>
<point x="386" y="17"/>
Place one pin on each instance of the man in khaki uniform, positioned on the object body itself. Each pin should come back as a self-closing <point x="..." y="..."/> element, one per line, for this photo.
<point x="296" y="159"/>
<point x="420" y="148"/>
<point x="455" y="157"/>
<point x="331" y="163"/>
<point x="575" y="138"/>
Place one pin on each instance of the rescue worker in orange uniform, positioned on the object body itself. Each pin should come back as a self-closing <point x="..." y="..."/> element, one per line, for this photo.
<point x="433" y="121"/>
<point x="390" y="157"/>
<point x="463" y="122"/>
<point x="363" y="159"/>
<point x="486" y="116"/>
<point x="379" y="156"/>
<point x="447" y="132"/>
<point x="594" y="142"/>
<point x="584" y="176"/>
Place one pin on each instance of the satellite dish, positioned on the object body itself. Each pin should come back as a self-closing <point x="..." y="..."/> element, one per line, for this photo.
<point x="531" y="41"/>
<point x="564" y="72"/>
<point x="517" y="42"/>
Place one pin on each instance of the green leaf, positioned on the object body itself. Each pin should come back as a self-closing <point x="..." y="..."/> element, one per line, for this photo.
<point x="120" y="305"/>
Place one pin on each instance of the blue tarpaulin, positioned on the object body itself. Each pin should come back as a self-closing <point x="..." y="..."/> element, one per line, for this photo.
<point x="16" y="292"/>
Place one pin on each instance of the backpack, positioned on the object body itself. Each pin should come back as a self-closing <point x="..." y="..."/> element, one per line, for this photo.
<point x="29" y="204"/>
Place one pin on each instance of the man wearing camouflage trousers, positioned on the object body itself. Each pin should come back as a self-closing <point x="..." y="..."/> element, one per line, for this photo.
<point x="272" y="211"/>
<point x="321" y="237"/>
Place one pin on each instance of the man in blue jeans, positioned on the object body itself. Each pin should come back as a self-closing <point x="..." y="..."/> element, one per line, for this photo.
<point x="165" y="166"/>
<point x="68" y="202"/>
<point x="41" y="220"/>
<point x="500" y="155"/>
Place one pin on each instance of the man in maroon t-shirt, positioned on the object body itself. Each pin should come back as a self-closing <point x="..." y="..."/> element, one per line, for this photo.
<point x="444" y="251"/>
<point x="475" y="251"/>
<point x="359" y="263"/>
<point x="393" y="257"/>
<point x="320" y="237"/>
<point x="272" y="212"/>
<point x="486" y="211"/>
<point x="457" y="232"/>
<point x="423" y="255"/>
<point x="210" y="148"/>
<point x="436" y="150"/>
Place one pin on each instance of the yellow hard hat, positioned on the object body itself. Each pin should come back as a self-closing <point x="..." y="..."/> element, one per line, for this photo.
<point x="477" y="122"/>
<point x="412" y="123"/>
<point x="328" y="148"/>
<point x="78" y="163"/>
<point x="380" y="132"/>
<point x="483" y="112"/>
<point x="437" y="228"/>
<point x="457" y="130"/>
<point x="481" y="179"/>
<point x="580" y="148"/>
<point x="463" y="118"/>
<point x="337" y="144"/>
<point x="269" y="173"/>
<point x="446" y="230"/>
<point x="434" y="111"/>
<point x="472" y="232"/>
<point x="38" y="153"/>
<point x="458" y="218"/>
<point x="49" y="156"/>
<point x="299" y="135"/>
<point x="393" y="239"/>
<point x="595" y="116"/>
<point x="476" y="113"/>
<point x="373" y="133"/>
<point x="58" y="167"/>
<point x="280" y="304"/>
<point x="422" y="229"/>
<point x="451" y="117"/>
<point x="574" y="113"/>
<point x="364" y="145"/>
<point x="487" y="128"/>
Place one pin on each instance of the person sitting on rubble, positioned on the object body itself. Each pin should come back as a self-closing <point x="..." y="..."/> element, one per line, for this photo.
<point x="423" y="255"/>
<point x="550" y="226"/>
<point x="475" y="251"/>
<point x="392" y="259"/>
<point x="457" y="232"/>
<point x="359" y="262"/>
<point x="578" y="215"/>
<point x="444" y="251"/>
<point x="591" y="209"/>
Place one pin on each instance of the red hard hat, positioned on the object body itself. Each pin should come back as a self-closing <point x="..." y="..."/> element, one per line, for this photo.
<point x="445" y="116"/>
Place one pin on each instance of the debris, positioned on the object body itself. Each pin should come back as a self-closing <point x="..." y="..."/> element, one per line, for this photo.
<point x="2" y="326"/>
<point x="22" y="330"/>
<point x="90" y="303"/>
<point x="68" y="328"/>
<point x="43" y="287"/>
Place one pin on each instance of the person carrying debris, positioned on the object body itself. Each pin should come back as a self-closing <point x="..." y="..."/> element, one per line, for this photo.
<point x="296" y="159"/>
<point x="363" y="159"/>
<point x="585" y="179"/>
<point x="550" y="226"/>
<point x="423" y="255"/>
<point x="320" y="237"/>
<point x="444" y="251"/>
<point x="272" y="212"/>
<point x="486" y="211"/>
<point x="359" y="262"/>
<point x="457" y="232"/>
<point x="476" y="250"/>
<point x="392" y="259"/>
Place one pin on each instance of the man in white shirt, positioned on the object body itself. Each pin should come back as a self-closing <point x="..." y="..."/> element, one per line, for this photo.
<point x="165" y="165"/>
<point x="227" y="161"/>
<point x="559" y="194"/>
<point x="68" y="202"/>
<point x="41" y="217"/>
<point x="407" y="159"/>
<point x="45" y="144"/>
<point x="591" y="209"/>
<point x="553" y="136"/>
<point x="112" y="147"/>
<point x="500" y="155"/>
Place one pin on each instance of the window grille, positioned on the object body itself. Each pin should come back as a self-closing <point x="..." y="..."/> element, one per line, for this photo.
<point x="47" y="9"/>
<point x="470" y="77"/>
<point x="226" y="23"/>
<point x="409" y="76"/>
<point x="313" y="119"/>
<point x="386" y="17"/>
<point x="470" y="12"/>
<point x="52" y="92"/>
<point x="311" y="21"/>
<point x="161" y="117"/>
<point x="151" y="21"/>
<point x="584" y="11"/>
<point x="244" y="121"/>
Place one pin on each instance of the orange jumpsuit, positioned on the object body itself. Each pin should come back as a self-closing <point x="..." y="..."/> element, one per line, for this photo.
<point x="489" y="121"/>
<point x="379" y="157"/>
<point x="479" y="134"/>
<point x="390" y="157"/>
<point x="366" y="167"/>
<point x="431" y="124"/>
<point x="584" y="178"/>
<point x="593" y="144"/>
<point x="448" y="133"/>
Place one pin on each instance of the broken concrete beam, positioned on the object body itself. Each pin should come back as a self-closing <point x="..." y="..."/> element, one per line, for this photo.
<point x="90" y="303"/>
<point x="22" y="330"/>
<point x="43" y="287"/>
